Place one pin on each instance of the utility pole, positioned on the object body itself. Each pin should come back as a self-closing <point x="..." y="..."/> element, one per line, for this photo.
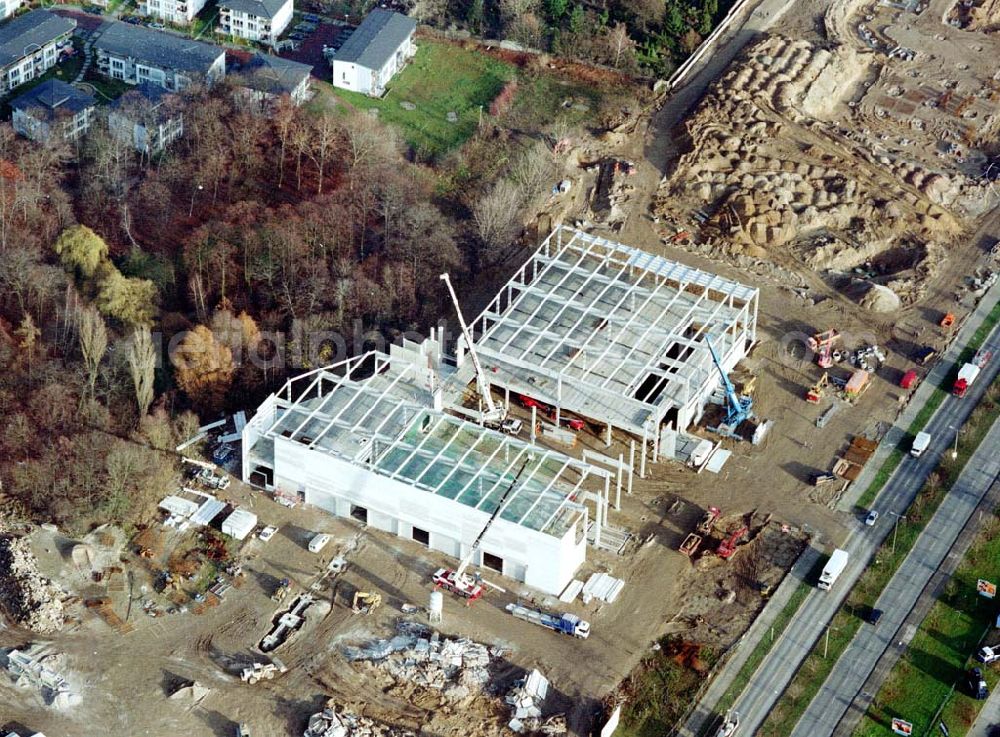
<point x="954" y="450"/>
<point x="895" y="528"/>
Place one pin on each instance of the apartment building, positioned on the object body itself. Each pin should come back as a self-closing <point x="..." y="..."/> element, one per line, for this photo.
<point x="52" y="108"/>
<point x="255" y="20"/>
<point x="135" y="54"/>
<point x="29" y="46"/>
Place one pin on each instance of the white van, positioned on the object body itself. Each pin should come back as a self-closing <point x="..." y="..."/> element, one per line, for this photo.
<point x="920" y="443"/>
<point x="319" y="542"/>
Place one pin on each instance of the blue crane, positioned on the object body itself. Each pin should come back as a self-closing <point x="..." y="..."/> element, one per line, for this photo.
<point x="738" y="408"/>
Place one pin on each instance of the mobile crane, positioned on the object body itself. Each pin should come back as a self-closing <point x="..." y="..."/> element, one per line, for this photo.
<point x="738" y="409"/>
<point x="458" y="581"/>
<point x="495" y="415"/>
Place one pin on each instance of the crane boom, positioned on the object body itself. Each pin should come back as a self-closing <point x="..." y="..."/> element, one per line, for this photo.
<point x="467" y="560"/>
<point x="738" y="408"/>
<point x="493" y="413"/>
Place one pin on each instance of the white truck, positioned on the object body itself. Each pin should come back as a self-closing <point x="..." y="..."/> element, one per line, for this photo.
<point x="921" y="441"/>
<point x="833" y="568"/>
<point x="970" y="372"/>
<point x="567" y="624"/>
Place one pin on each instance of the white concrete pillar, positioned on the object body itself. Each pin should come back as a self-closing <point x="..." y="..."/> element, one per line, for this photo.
<point x="607" y="436"/>
<point x="618" y="482"/>
<point x="631" y="464"/>
<point x="534" y="423"/>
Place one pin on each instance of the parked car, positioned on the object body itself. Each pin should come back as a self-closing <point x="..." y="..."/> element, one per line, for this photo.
<point x="157" y="26"/>
<point x="988" y="654"/>
<point x="133" y="19"/>
<point x="872" y="518"/>
<point x="977" y="684"/>
<point x="267" y="533"/>
<point x="874" y="616"/>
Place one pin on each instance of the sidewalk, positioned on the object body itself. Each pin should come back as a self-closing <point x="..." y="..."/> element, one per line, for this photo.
<point x="704" y="714"/>
<point x="905" y="418"/>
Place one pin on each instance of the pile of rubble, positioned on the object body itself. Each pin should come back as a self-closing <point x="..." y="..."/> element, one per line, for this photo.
<point x="39" y="669"/>
<point x="458" y="668"/>
<point x="768" y="160"/>
<point x="526" y="699"/>
<point x="328" y="723"/>
<point x="30" y="598"/>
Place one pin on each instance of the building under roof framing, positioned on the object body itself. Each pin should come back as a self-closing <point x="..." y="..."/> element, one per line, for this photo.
<point x="368" y="438"/>
<point x="614" y="334"/>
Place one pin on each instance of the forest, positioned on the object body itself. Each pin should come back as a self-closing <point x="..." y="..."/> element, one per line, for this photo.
<point x="647" y="37"/>
<point x="141" y="297"/>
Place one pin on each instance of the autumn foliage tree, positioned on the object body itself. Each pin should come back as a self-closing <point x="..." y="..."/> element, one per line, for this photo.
<point x="204" y="368"/>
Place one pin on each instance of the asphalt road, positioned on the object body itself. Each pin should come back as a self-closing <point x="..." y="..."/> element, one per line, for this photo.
<point x="898" y="598"/>
<point x="818" y="609"/>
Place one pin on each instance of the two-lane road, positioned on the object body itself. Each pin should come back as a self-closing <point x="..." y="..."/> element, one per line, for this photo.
<point x="806" y="628"/>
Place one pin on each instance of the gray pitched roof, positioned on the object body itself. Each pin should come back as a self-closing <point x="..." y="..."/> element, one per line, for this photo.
<point x="260" y="8"/>
<point x="163" y="50"/>
<point x="34" y="28"/>
<point x="274" y="75"/>
<point x="146" y="101"/>
<point x="51" y="98"/>
<point x="375" y="41"/>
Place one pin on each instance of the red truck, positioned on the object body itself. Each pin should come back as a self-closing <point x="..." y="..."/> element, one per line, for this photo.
<point x="970" y="372"/>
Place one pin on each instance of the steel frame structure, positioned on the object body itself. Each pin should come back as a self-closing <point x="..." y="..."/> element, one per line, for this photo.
<point x="368" y="411"/>
<point x="611" y="332"/>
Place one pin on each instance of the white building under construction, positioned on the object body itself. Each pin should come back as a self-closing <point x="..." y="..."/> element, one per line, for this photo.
<point x="368" y="438"/>
<point x="613" y="334"/>
<point x="587" y="326"/>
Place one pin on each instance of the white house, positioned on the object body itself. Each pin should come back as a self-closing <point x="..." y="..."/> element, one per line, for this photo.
<point x="52" y="107"/>
<point x="265" y="78"/>
<point x="369" y="439"/>
<point x="179" y="12"/>
<point x="148" y="116"/>
<point x="255" y="20"/>
<point x="135" y="54"/>
<point x="377" y="49"/>
<point x="29" y="46"/>
<point x="8" y="8"/>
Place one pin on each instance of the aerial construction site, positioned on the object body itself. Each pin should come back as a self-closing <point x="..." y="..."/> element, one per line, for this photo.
<point x="611" y="460"/>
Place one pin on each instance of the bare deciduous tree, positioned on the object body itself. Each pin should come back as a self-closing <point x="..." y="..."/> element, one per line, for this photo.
<point x="142" y="367"/>
<point x="496" y="214"/>
<point x="93" y="343"/>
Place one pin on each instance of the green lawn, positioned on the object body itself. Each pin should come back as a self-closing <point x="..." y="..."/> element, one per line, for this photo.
<point x="441" y="78"/>
<point x="938" y="655"/>
<point x="107" y="89"/>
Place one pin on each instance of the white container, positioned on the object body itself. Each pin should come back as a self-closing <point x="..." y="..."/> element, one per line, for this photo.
<point x="435" y="606"/>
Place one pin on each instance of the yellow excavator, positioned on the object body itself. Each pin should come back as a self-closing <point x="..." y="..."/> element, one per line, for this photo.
<point x="366" y="602"/>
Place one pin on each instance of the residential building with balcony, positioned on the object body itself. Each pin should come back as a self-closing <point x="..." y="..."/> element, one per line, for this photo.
<point x="53" y="108"/>
<point x="135" y="55"/>
<point x="178" y="12"/>
<point x="29" y="46"/>
<point x="149" y="116"/>
<point x="265" y="78"/>
<point x="255" y="20"/>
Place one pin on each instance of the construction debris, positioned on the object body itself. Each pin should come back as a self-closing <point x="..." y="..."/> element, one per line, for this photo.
<point x="602" y="586"/>
<point x="526" y="699"/>
<point x="39" y="669"/>
<point x="192" y="692"/>
<point x="31" y="599"/>
<point x="459" y="668"/>
<point x="328" y="723"/>
<point x="288" y="623"/>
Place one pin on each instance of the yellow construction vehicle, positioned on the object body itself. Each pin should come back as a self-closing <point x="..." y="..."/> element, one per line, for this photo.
<point x="366" y="602"/>
<point x="284" y="586"/>
<point x="816" y="391"/>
